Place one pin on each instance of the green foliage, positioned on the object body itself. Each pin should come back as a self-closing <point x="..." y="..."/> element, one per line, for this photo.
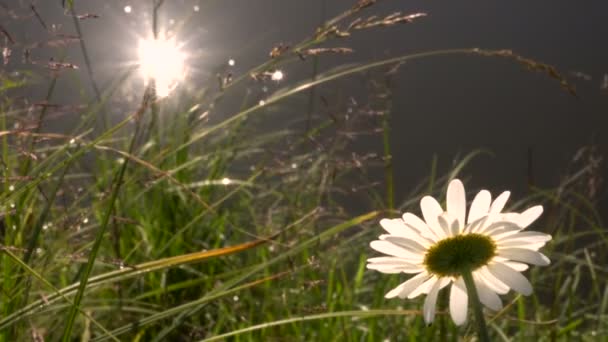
<point x="185" y="229"/>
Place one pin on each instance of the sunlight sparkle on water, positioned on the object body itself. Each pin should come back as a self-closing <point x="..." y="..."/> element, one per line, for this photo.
<point x="161" y="60"/>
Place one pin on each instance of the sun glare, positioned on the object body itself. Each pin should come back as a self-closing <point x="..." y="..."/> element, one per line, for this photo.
<point x="162" y="61"/>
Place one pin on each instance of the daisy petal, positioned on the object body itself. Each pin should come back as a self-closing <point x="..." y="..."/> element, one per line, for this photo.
<point x="391" y="249"/>
<point x="530" y="215"/>
<point x="393" y="265"/>
<point x="480" y="206"/>
<point x="501" y="227"/>
<point x="387" y="261"/>
<point x="491" y="281"/>
<point x="499" y="203"/>
<point x="459" y="301"/>
<point x="393" y="227"/>
<point x="397" y="227"/>
<point x="528" y="236"/>
<point x="488" y="297"/>
<point x="456" y="201"/>
<point x="386" y="269"/>
<point x="443" y="223"/>
<point x="430" y="304"/>
<point x="518" y="266"/>
<point x="424" y="287"/>
<point x="430" y="211"/>
<point x="456" y="228"/>
<point x="406" y="243"/>
<point x="511" y="278"/>
<point x="525" y="255"/>
<point x="476" y="225"/>
<point x="408" y="286"/>
<point x="416" y="224"/>
<point x="431" y="300"/>
<point x="521" y="244"/>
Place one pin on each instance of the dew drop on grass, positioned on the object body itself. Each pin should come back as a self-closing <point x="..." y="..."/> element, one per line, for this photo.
<point x="85" y="220"/>
<point x="235" y="298"/>
<point x="294" y="166"/>
<point x="277" y="75"/>
<point x="226" y="181"/>
<point x="11" y="188"/>
<point x="262" y="102"/>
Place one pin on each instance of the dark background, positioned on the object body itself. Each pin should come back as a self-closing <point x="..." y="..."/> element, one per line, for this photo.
<point x="444" y="107"/>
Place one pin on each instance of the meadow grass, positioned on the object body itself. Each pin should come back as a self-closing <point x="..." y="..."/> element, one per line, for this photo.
<point x="167" y="226"/>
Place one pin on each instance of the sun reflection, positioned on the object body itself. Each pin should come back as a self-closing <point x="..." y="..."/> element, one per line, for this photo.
<point x="162" y="61"/>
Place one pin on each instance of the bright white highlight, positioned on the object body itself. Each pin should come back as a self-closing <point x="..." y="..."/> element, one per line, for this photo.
<point x="128" y="9"/>
<point x="277" y="75"/>
<point x="162" y="61"/>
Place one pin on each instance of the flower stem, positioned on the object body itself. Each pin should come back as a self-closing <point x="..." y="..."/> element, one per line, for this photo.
<point x="482" y="329"/>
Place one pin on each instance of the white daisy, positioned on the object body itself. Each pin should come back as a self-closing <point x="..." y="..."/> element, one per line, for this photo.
<point x="448" y="243"/>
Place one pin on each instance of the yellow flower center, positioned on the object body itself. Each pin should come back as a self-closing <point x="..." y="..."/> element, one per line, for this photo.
<point x="462" y="253"/>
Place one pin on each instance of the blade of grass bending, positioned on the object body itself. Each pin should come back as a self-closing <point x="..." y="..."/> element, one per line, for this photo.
<point x="353" y="313"/>
<point x="225" y="289"/>
<point x="43" y="216"/>
<point x="212" y="207"/>
<point x="49" y="285"/>
<point x="126" y="273"/>
<point x="324" y="79"/>
<point x="49" y="94"/>
<point x="67" y="333"/>
<point x="187" y="309"/>
<point x="465" y="161"/>
<point x="175" y="310"/>
<point x="87" y="63"/>
<point x="388" y="159"/>
<point x="339" y="74"/>
<point x="33" y="241"/>
<point x="295" y="250"/>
